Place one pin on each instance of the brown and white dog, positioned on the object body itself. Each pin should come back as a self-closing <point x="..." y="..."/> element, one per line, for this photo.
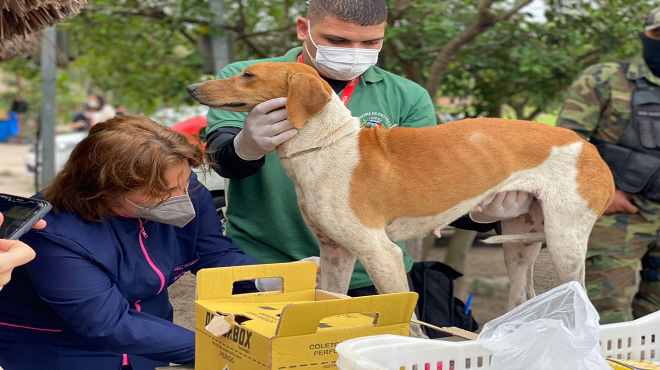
<point x="360" y="189"/>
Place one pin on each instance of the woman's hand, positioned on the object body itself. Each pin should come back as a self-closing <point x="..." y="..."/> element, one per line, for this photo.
<point x="14" y="253"/>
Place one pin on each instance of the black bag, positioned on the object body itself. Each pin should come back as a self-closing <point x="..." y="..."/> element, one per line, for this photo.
<point x="434" y="282"/>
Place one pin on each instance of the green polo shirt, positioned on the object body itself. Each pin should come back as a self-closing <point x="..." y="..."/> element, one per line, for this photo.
<point x="263" y="215"/>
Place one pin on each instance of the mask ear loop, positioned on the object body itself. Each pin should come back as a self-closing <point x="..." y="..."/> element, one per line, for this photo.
<point x="309" y="33"/>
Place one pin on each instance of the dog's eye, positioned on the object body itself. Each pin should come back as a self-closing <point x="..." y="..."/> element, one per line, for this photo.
<point x="247" y="75"/>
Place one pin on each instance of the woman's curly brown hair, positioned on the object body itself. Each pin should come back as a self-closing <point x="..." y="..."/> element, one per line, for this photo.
<point x="119" y="155"/>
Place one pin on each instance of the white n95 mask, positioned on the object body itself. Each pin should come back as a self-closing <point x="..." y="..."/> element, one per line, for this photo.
<point x="341" y="64"/>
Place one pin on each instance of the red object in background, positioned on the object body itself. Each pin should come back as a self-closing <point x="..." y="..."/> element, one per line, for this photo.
<point x="191" y="128"/>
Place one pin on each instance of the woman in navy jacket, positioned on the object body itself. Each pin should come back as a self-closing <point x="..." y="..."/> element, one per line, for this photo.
<point x="129" y="219"/>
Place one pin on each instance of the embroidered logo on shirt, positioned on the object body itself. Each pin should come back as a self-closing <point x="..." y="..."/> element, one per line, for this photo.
<point x="375" y="119"/>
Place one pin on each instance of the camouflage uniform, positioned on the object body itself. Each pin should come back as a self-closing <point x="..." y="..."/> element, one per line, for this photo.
<point x="598" y="107"/>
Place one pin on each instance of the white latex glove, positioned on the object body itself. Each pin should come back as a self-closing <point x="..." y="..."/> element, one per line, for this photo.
<point x="502" y="206"/>
<point x="275" y="284"/>
<point x="266" y="127"/>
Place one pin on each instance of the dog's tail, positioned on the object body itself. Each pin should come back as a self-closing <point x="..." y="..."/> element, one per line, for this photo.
<point x="527" y="238"/>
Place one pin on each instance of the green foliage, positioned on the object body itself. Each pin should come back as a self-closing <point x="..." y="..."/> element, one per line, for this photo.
<point x="142" y="54"/>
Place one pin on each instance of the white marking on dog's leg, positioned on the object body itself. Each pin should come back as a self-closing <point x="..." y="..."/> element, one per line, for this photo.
<point x="567" y="236"/>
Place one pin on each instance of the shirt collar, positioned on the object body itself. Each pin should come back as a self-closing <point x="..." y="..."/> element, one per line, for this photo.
<point x="372" y="75"/>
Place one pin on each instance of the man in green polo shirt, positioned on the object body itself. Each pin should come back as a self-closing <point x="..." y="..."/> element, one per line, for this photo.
<point x="341" y="39"/>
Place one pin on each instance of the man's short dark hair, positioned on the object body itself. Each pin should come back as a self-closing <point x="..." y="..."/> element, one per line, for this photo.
<point x="362" y="12"/>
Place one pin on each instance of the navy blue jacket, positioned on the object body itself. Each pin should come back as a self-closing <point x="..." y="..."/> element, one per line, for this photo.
<point x="98" y="290"/>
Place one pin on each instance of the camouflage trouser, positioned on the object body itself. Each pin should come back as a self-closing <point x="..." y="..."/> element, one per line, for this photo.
<point x="614" y="262"/>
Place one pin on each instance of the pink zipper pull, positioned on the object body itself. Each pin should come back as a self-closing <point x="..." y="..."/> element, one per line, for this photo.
<point x="143" y="232"/>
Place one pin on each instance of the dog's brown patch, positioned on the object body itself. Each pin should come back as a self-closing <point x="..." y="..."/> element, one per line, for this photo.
<point x="595" y="180"/>
<point x="405" y="172"/>
<point x="307" y="96"/>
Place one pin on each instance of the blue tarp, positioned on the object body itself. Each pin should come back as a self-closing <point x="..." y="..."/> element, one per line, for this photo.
<point x="9" y="127"/>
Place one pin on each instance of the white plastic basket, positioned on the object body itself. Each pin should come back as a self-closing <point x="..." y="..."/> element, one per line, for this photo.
<point x="633" y="340"/>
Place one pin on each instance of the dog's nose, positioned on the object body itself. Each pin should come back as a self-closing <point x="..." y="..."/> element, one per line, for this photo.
<point x="192" y="89"/>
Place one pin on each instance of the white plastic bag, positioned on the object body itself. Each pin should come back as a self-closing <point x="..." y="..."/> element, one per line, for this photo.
<point x="555" y="330"/>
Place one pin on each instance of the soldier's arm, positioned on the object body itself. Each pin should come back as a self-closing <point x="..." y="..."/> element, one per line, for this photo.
<point x="586" y="99"/>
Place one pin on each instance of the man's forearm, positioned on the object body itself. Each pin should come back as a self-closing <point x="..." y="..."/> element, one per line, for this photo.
<point x="223" y="157"/>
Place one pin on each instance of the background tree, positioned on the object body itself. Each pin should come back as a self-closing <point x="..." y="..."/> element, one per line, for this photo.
<point x="491" y="54"/>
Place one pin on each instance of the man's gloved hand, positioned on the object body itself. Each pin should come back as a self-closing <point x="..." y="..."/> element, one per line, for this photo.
<point x="266" y="127"/>
<point x="502" y="206"/>
<point x="275" y="284"/>
<point x="621" y="204"/>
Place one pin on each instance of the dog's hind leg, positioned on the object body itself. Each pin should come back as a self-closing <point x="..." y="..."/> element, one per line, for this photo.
<point x="519" y="259"/>
<point x="567" y="236"/>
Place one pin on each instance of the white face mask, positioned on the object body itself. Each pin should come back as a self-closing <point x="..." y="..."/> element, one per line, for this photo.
<point x="341" y="64"/>
<point x="177" y="211"/>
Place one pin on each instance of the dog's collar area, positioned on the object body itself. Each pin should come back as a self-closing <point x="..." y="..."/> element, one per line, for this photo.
<point x="314" y="148"/>
<point x="301" y="152"/>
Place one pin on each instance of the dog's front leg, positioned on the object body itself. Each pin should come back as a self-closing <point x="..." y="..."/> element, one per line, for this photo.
<point x="337" y="266"/>
<point x="337" y="263"/>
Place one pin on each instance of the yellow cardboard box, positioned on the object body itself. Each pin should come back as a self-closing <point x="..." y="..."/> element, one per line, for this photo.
<point x="297" y="328"/>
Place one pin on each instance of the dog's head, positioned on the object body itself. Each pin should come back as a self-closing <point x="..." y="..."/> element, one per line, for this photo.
<point x="306" y="92"/>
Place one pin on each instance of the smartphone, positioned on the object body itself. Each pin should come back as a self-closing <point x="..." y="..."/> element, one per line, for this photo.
<point x="20" y="214"/>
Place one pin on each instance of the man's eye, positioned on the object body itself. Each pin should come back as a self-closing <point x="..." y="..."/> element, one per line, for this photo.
<point x="247" y="74"/>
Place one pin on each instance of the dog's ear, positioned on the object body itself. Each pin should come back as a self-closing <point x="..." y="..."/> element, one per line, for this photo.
<point x="307" y="95"/>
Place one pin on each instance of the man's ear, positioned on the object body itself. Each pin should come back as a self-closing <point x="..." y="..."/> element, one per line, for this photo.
<point x="308" y="95"/>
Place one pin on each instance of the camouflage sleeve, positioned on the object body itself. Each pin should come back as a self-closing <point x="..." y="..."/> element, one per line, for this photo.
<point x="586" y="99"/>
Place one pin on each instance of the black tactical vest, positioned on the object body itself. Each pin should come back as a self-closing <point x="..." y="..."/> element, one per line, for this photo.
<point x="635" y="158"/>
